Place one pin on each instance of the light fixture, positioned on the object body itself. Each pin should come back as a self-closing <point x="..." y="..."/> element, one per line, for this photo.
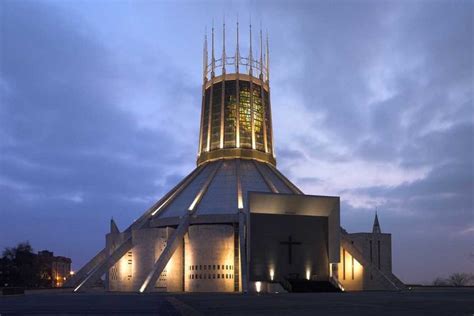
<point x="272" y="274"/>
<point x="258" y="286"/>
<point x="308" y="274"/>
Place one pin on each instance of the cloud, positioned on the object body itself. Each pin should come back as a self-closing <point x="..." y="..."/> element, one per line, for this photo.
<point x="371" y="101"/>
<point x="72" y="155"/>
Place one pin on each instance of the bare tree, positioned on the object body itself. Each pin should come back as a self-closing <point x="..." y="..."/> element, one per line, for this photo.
<point x="460" y="279"/>
<point x="440" y="282"/>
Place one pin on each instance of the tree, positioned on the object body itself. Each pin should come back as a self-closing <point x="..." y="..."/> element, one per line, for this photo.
<point x="440" y="282"/>
<point x="460" y="279"/>
<point x="19" y="266"/>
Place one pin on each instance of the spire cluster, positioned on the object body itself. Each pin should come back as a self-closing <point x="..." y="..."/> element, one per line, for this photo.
<point x="258" y="67"/>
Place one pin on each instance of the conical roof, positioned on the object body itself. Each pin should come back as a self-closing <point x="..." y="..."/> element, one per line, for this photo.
<point x="222" y="186"/>
<point x="376" y="226"/>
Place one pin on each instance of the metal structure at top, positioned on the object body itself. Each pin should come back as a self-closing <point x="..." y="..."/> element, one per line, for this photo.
<point x="257" y="67"/>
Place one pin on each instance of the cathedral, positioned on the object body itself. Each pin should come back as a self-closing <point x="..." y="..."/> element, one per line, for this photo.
<point x="236" y="223"/>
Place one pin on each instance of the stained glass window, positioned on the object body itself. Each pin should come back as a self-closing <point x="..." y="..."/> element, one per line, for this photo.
<point x="245" y="110"/>
<point x="205" y="124"/>
<point x="230" y="113"/>
<point x="216" y="115"/>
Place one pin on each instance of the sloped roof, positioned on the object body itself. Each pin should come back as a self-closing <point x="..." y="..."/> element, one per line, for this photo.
<point x="221" y="194"/>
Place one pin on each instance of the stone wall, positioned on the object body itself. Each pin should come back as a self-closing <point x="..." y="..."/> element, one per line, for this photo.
<point x="209" y="258"/>
<point x="129" y="273"/>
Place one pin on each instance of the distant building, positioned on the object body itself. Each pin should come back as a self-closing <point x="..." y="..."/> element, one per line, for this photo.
<point x="54" y="270"/>
<point x="236" y="223"/>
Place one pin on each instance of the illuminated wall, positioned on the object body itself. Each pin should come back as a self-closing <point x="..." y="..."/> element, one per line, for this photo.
<point x="209" y="264"/>
<point x="121" y="275"/>
<point x="129" y="273"/>
<point x="350" y="272"/>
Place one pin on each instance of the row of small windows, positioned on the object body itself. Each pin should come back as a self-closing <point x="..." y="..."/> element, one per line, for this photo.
<point x="211" y="276"/>
<point x="211" y="267"/>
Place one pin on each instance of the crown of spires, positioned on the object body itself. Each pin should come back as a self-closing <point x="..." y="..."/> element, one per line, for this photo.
<point x="376" y="227"/>
<point x="258" y="65"/>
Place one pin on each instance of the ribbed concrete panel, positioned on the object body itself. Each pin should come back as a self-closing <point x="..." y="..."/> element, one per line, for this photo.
<point x="180" y="205"/>
<point x="279" y="184"/>
<point x="251" y="180"/>
<point x="221" y="196"/>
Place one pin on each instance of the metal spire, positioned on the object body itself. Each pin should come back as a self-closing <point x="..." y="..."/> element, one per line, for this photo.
<point x="268" y="60"/>
<point x="213" y="56"/>
<point x="204" y="54"/>
<point x="261" y="54"/>
<point x="237" y="53"/>
<point x="223" y="47"/>
<point x="250" y="53"/>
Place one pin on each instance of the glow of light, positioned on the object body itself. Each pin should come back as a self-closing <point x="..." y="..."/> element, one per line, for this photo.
<point x="308" y="274"/>
<point x="200" y="194"/>
<point x="143" y="287"/>
<point x="272" y="274"/>
<point x="358" y="268"/>
<point x="71" y="272"/>
<point x="64" y="278"/>
<point x="240" y="202"/>
<point x="258" y="286"/>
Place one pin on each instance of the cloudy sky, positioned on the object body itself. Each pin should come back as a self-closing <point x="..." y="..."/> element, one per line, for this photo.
<point x="372" y="101"/>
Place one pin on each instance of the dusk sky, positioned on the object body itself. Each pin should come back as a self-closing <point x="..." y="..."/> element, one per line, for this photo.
<point x="372" y="101"/>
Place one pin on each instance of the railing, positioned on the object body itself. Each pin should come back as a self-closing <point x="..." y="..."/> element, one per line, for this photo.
<point x="257" y="67"/>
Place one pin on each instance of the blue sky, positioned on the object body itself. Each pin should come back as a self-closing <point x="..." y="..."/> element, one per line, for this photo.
<point x="372" y="101"/>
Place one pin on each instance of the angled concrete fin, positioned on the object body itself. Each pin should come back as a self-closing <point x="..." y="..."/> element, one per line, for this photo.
<point x="82" y="277"/>
<point x="79" y="276"/>
<point x="100" y="269"/>
<point x="171" y="246"/>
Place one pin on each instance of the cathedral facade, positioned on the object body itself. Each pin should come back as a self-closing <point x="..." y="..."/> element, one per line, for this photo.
<point x="236" y="223"/>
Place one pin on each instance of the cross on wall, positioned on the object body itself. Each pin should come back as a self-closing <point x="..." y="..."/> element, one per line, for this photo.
<point x="290" y="243"/>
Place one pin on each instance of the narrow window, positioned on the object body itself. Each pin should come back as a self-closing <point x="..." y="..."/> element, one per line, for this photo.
<point x="343" y="264"/>
<point x="378" y="250"/>
<point x="352" y="268"/>
<point x="371" y="257"/>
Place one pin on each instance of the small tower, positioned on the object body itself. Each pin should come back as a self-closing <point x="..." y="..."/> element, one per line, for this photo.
<point x="376" y="227"/>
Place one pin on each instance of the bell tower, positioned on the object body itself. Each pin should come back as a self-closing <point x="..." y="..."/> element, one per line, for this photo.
<point x="236" y="120"/>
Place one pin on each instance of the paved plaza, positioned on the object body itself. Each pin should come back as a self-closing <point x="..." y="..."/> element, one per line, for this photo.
<point x="421" y="302"/>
